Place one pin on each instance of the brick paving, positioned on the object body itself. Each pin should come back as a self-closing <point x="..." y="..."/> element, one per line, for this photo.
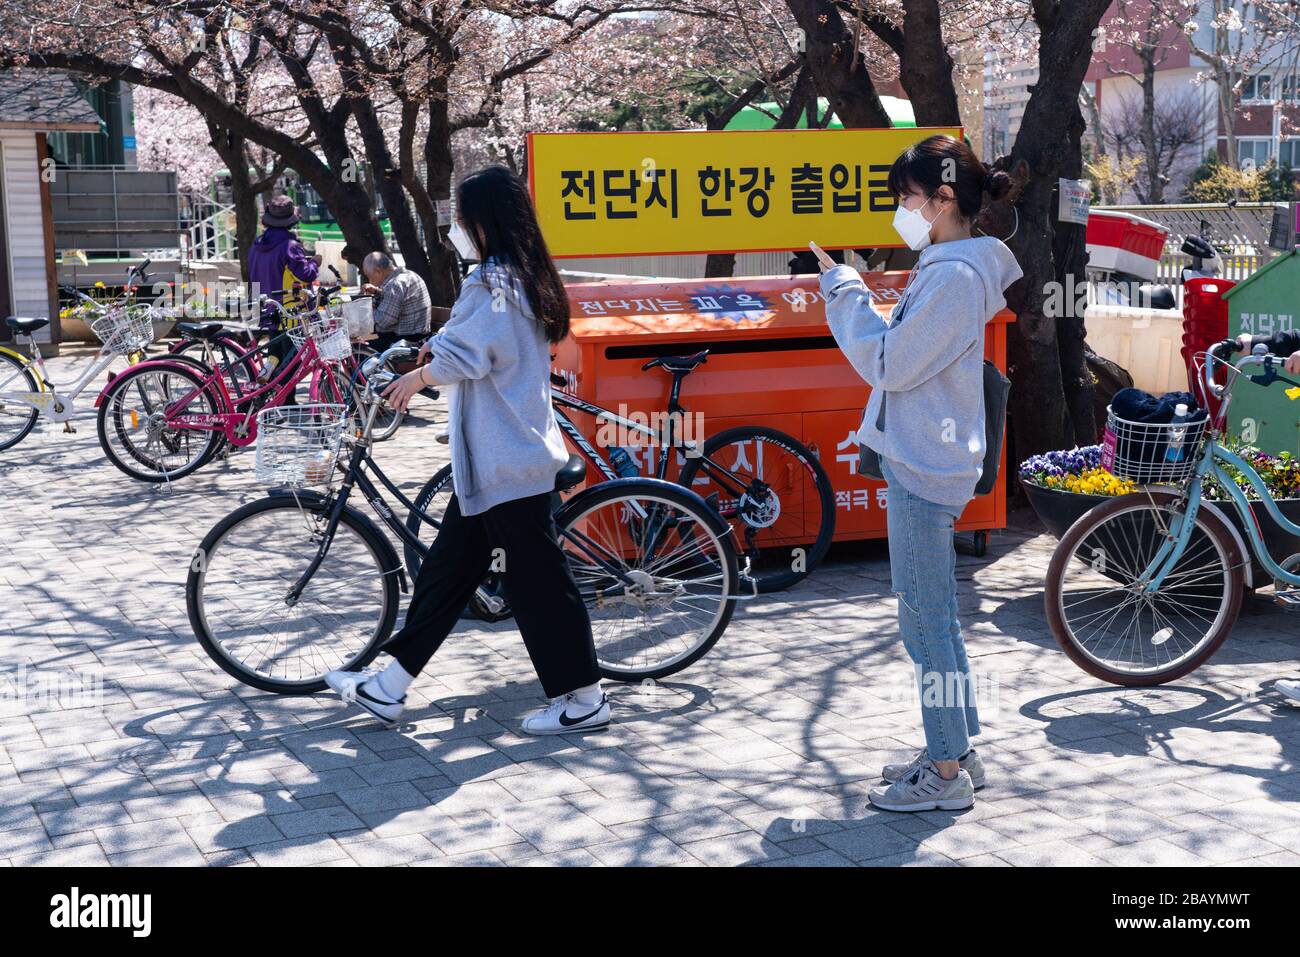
<point x="762" y="753"/>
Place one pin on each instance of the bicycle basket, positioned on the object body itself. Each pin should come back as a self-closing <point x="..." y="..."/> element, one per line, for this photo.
<point x="123" y="330"/>
<point x="298" y="444"/>
<point x="1151" y="452"/>
<point x="329" y="330"/>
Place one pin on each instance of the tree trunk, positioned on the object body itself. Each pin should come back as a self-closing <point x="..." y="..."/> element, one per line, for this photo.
<point x="387" y="175"/>
<point x="444" y="282"/>
<point x="1070" y="255"/>
<point x="838" y="69"/>
<point x="1155" y="188"/>
<point x="924" y="60"/>
<point x="1051" y="385"/>
<point x="230" y="148"/>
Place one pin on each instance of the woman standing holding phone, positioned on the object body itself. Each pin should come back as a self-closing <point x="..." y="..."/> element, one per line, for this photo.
<point x="506" y="449"/>
<point x="925" y="419"/>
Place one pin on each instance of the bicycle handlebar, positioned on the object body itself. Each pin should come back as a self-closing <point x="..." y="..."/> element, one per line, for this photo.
<point x="1245" y="362"/>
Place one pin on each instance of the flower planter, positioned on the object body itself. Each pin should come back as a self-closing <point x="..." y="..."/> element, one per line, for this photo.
<point x="1058" y="510"/>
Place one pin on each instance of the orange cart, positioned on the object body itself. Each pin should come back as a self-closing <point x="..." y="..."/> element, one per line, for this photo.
<point x="772" y="361"/>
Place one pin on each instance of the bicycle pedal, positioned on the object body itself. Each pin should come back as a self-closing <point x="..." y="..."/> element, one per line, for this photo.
<point x="1287" y="599"/>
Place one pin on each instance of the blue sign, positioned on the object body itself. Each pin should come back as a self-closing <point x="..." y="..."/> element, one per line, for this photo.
<point x="128" y="142"/>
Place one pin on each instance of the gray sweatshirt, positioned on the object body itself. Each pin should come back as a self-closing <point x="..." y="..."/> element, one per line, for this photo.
<point x="926" y="362"/>
<point x="505" y="443"/>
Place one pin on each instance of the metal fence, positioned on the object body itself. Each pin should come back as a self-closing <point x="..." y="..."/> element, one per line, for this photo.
<point x="1242" y="230"/>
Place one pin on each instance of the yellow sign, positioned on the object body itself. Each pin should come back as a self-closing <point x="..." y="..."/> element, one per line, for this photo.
<point x="629" y="194"/>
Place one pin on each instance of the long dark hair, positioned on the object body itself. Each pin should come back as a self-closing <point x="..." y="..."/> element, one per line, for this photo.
<point x="494" y="202"/>
<point x="944" y="161"/>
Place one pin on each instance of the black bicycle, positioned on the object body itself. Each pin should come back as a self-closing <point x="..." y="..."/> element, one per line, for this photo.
<point x="301" y="582"/>
<point x="768" y="485"/>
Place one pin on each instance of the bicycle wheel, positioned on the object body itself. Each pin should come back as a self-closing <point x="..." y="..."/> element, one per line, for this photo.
<point x="236" y="594"/>
<point x="1097" y="612"/>
<point x="133" y="431"/>
<point x="432" y="502"/>
<point x="680" y="569"/>
<point x="16" y="420"/>
<point x="776" y="495"/>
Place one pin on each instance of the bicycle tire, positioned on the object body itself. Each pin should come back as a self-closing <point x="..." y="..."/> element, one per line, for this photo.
<point x="776" y="581"/>
<point x="33" y="385"/>
<point x="185" y="370"/>
<point x="576" y="508"/>
<point x="196" y="581"/>
<point x="1053" y="595"/>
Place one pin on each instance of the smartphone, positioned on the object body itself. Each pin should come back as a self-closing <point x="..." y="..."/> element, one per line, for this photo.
<point x="822" y="258"/>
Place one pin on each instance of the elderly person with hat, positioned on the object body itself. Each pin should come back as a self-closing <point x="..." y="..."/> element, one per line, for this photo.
<point x="275" y="262"/>
<point x="277" y="259"/>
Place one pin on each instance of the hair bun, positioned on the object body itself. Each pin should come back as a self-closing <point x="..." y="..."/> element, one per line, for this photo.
<point x="997" y="183"/>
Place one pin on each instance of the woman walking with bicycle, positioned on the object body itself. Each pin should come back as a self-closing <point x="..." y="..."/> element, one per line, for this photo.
<point x="925" y="421"/>
<point x="506" y="450"/>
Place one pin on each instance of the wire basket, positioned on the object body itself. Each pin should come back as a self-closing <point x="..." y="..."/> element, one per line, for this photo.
<point x="298" y="444"/>
<point x="1151" y="452"/>
<point x="123" y="330"/>
<point x="328" y="329"/>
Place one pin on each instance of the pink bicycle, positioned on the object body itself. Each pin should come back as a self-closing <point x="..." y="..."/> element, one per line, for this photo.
<point x="165" y="418"/>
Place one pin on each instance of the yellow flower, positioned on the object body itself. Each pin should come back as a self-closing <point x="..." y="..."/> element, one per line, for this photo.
<point x="99" y="284"/>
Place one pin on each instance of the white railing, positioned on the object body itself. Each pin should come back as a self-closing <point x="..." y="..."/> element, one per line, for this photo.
<point x="213" y="236"/>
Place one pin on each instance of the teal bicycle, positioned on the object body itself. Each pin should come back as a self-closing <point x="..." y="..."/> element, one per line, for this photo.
<point x="1143" y="589"/>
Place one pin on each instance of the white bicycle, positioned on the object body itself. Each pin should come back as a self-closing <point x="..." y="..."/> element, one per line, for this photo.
<point x="125" y="328"/>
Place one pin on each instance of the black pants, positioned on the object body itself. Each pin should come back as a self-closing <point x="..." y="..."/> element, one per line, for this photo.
<point x="548" y="609"/>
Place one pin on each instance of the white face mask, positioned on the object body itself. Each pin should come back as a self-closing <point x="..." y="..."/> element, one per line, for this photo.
<point x="912" y="225"/>
<point x="464" y="245"/>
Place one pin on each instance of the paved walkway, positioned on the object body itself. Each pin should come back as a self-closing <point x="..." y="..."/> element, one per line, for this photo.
<point x="762" y="753"/>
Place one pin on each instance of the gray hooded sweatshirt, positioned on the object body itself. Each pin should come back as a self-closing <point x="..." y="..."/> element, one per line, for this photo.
<point x="926" y="362"/>
<point x="505" y="443"/>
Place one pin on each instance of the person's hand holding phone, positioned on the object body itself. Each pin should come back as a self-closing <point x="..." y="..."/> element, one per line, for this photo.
<point x="823" y="259"/>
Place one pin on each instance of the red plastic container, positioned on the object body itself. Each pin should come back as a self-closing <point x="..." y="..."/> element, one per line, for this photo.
<point x="1205" y="321"/>
<point x="1122" y="242"/>
<point x="1205" y="314"/>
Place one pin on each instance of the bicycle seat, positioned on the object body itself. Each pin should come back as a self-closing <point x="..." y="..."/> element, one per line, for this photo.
<point x="574" y="471"/>
<point x="25" y="325"/>
<point x="678" y="365"/>
<point x="201" y="330"/>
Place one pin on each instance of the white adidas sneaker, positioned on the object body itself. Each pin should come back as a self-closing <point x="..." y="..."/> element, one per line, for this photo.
<point x="565" y="715"/>
<point x="361" y="688"/>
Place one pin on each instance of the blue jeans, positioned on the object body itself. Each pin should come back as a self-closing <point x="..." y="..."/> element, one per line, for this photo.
<point x="923" y="564"/>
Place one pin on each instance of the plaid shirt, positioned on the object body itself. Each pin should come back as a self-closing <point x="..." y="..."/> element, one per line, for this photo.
<point x="402" y="306"/>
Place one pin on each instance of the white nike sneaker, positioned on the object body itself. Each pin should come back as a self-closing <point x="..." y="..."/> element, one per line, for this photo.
<point x="1289" y="690"/>
<point x="361" y="688"/>
<point x="565" y="715"/>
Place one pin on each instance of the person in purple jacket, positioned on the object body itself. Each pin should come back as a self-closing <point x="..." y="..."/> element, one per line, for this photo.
<point x="277" y="258"/>
<point x="275" y="262"/>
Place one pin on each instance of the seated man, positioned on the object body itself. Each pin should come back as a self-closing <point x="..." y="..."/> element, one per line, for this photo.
<point x="401" y="301"/>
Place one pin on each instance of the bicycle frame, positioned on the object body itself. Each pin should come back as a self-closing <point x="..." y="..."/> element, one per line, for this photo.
<point x="356" y="478"/>
<point x="50" y="400"/>
<point x="667" y="439"/>
<point x="240" y="427"/>
<point x="1209" y="465"/>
